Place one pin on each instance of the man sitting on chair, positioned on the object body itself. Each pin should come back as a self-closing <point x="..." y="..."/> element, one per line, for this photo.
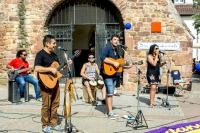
<point x="89" y="72"/>
<point x="20" y="64"/>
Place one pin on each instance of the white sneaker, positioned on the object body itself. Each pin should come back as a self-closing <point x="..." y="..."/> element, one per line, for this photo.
<point x="112" y="116"/>
<point x="115" y="91"/>
<point x="129" y="117"/>
<point x="39" y="99"/>
<point x="57" y="128"/>
<point x="46" y="129"/>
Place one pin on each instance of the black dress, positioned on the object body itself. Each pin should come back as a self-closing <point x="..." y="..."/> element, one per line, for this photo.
<point x="153" y="73"/>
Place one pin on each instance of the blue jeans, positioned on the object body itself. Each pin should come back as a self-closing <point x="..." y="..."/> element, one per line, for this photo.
<point x="110" y="84"/>
<point x="21" y="81"/>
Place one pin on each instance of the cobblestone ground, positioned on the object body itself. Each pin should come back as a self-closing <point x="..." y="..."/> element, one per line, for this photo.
<point x="25" y="116"/>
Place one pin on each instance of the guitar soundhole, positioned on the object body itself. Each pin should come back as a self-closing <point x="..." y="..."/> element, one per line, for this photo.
<point x="50" y="77"/>
<point x="110" y="67"/>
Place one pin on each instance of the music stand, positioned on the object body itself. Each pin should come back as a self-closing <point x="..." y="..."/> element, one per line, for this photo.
<point x="139" y="121"/>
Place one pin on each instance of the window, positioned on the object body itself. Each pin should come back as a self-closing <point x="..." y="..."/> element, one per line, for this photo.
<point x="179" y="1"/>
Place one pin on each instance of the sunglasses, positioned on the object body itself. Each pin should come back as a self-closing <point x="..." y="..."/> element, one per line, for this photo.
<point x="24" y="54"/>
<point x="156" y="48"/>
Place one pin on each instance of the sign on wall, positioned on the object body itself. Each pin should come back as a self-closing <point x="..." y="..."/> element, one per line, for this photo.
<point x="163" y="46"/>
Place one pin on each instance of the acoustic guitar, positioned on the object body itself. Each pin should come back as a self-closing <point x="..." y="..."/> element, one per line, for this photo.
<point x="110" y="70"/>
<point x="49" y="79"/>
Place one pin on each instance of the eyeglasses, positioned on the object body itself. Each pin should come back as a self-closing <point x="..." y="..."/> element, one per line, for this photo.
<point x="156" y="48"/>
<point x="24" y="54"/>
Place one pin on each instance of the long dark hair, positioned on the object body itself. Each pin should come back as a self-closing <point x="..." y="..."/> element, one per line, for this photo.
<point x="20" y="52"/>
<point x="152" y="48"/>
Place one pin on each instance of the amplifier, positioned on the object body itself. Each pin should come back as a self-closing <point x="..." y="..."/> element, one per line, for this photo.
<point x="14" y="92"/>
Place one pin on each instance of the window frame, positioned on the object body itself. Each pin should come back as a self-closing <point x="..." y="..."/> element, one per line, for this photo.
<point x="179" y="1"/>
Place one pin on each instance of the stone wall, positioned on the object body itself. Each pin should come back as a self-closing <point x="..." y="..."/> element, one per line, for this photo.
<point x="140" y="13"/>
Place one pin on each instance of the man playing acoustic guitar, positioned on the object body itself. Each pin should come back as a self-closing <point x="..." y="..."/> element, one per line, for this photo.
<point x="20" y="72"/>
<point x="112" y="61"/>
<point x="46" y="63"/>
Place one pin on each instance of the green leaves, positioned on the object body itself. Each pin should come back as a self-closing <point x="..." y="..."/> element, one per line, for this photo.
<point x="22" y="34"/>
<point x="196" y="17"/>
<point x="196" y="3"/>
<point x="196" y="23"/>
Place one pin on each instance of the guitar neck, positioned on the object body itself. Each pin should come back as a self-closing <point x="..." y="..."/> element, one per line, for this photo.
<point x="132" y="63"/>
<point x="65" y="64"/>
<point x="23" y="70"/>
<point x="62" y="66"/>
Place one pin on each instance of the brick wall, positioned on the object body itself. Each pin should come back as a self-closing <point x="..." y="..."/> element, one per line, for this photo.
<point x="140" y="13"/>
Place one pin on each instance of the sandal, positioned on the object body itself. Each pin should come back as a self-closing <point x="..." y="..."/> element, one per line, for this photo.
<point x="151" y="105"/>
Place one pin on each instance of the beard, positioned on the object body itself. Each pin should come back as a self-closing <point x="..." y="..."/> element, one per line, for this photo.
<point x="92" y="61"/>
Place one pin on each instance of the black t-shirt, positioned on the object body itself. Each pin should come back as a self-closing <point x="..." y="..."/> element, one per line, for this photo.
<point x="45" y="59"/>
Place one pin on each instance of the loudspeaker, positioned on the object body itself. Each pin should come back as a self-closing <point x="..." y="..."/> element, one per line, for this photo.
<point x="171" y="89"/>
<point x="161" y="89"/>
<point x="26" y="93"/>
<point x="13" y="92"/>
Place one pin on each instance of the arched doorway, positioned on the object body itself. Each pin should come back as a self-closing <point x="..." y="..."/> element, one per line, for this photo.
<point x="84" y="24"/>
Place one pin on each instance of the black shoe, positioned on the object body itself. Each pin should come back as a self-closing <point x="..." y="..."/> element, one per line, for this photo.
<point x="103" y="101"/>
<point x="94" y="103"/>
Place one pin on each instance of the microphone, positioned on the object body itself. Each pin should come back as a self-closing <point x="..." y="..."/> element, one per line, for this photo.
<point x="140" y="62"/>
<point x="137" y="62"/>
<point x="60" y="48"/>
<point x="161" y="52"/>
<point x="122" y="45"/>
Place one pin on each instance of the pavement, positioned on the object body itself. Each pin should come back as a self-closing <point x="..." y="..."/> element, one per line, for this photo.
<point x="24" y="117"/>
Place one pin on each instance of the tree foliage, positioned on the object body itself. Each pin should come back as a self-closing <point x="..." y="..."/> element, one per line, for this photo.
<point x="23" y="43"/>
<point x="196" y="3"/>
<point x="196" y="17"/>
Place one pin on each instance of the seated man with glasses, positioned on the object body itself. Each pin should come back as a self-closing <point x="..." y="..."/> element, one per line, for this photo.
<point x="90" y="74"/>
<point x="20" y="67"/>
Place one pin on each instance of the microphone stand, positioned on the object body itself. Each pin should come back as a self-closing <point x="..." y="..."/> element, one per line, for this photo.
<point x="165" y="101"/>
<point x="68" y="86"/>
<point x="69" y="71"/>
<point x="139" y="120"/>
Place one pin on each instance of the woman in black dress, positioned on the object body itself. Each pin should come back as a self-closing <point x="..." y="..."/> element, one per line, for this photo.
<point x="153" y="71"/>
